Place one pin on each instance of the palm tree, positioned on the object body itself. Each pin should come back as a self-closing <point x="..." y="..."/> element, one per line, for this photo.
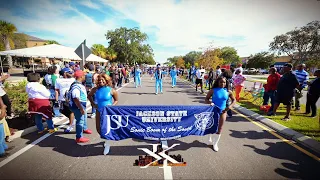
<point x="99" y="50"/>
<point x="6" y="32"/>
<point x="51" y="42"/>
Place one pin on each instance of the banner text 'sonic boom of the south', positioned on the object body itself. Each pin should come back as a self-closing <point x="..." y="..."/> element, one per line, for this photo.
<point x="157" y="122"/>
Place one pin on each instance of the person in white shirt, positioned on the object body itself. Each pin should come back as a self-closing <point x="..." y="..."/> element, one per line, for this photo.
<point x="39" y="104"/>
<point x="239" y="68"/>
<point x="199" y="78"/>
<point x="218" y="72"/>
<point x="61" y="87"/>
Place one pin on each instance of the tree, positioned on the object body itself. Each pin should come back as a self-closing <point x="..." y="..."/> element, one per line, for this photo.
<point x="230" y="55"/>
<point x="128" y="44"/>
<point x="261" y="60"/>
<point x="111" y="54"/>
<point x="6" y="32"/>
<point x="99" y="50"/>
<point x="180" y="63"/>
<point x="51" y="42"/>
<point x="174" y="60"/>
<point x="300" y="44"/>
<point x="210" y="58"/>
<point x="192" y="56"/>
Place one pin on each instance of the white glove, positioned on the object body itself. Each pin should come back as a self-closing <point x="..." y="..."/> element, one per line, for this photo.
<point x="212" y="104"/>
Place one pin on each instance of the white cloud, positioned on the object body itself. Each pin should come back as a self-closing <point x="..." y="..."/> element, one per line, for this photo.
<point x="70" y="30"/>
<point x="89" y="4"/>
<point x="187" y="25"/>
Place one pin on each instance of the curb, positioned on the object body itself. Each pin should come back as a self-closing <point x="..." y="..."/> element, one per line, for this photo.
<point x="289" y="133"/>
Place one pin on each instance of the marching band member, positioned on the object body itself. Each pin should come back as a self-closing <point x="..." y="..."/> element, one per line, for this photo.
<point x="137" y="76"/>
<point x="158" y="76"/>
<point x="220" y="94"/>
<point x="173" y="74"/>
<point x="104" y="93"/>
<point x="39" y="103"/>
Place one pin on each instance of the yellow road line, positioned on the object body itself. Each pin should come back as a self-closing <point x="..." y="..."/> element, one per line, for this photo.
<point x="277" y="135"/>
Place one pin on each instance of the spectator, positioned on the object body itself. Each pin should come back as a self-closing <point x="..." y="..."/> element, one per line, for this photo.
<point x="303" y="78"/>
<point x="3" y="145"/>
<point x="199" y="76"/>
<point x="218" y="72"/>
<point x="62" y="86"/>
<point x="271" y="87"/>
<point x="313" y="95"/>
<point x="210" y="78"/>
<point x="285" y="90"/>
<point x="238" y="81"/>
<point x="77" y="104"/>
<point x="39" y="104"/>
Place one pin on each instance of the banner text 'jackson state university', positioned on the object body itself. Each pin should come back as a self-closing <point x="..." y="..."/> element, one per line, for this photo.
<point x="157" y="122"/>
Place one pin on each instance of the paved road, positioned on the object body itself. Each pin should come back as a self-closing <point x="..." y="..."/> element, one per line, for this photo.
<point x="246" y="150"/>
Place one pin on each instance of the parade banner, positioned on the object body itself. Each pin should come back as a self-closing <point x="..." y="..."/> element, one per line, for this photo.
<point x="157" y="122"/>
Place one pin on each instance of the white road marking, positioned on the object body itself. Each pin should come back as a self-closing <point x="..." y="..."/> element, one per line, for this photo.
<point x="167" y="172"/>
<point x="23" y="150"/>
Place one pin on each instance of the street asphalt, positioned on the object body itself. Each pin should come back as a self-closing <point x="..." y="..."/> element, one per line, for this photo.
<point x="246" y="151"/>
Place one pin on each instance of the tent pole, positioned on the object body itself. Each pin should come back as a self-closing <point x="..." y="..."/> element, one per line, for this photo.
<point x="1" y="66"/>
<point x="32" y="65"/>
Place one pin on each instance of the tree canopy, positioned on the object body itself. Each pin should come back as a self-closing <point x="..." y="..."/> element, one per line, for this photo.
<point x="51" y="42"/>
<point x="129" y="45"/>
<point x="261" y="60"/>
<point x="192" y="56"/>
<point x="230" y="55"/>
<point x="301" y="44"/>
<point x="211" y="58"/>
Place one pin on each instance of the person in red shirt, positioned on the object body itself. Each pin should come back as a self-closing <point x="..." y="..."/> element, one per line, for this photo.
<point x="271" y="87"/>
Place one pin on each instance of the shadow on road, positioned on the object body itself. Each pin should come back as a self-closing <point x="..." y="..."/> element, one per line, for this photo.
<point x="251" y="134"/>
<point x="138" y="93"/>
<point x="298" y="166"/>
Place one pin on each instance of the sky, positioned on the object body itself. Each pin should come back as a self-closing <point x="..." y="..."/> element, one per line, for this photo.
<point x="174" y="27"/>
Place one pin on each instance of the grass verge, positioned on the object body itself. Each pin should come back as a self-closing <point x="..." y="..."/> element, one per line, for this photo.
<point x="299" y="122"/>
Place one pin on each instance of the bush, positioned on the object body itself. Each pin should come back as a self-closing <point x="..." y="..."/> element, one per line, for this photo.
<point x="18" y="96"/>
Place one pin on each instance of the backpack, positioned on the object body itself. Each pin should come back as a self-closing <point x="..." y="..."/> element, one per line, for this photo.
<point x="68" y="94"/>
<point x="89" y="82"/>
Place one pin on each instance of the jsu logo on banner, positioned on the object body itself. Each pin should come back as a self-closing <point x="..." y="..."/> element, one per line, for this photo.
<point x="115" y="122"/>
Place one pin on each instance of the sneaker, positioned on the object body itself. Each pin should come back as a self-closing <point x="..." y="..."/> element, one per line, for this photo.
<point x="285" y="119"/>
<point x="53" y="130"/>
<point x="87" y="131"/>
<point x="156" y="93"/>
<point x="41" y="132"/>
<point x="68" y="130"/>
<point x="93" y="115"/>
<point x="82" y="140"/>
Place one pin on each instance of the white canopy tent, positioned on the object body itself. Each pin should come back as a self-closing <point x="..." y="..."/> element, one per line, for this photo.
<point x="51" y="51"/>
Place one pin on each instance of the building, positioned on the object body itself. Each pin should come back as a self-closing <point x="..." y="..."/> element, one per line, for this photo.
<point x="32" y="41"/>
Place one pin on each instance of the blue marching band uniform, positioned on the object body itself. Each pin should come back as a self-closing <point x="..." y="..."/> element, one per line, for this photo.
<point x="173" y="74"/>
<point x="158" y="76"/>
<point x="137" y="76"/>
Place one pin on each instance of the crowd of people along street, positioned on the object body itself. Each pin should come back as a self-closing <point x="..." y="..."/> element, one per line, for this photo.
<point x="66" y="90"/>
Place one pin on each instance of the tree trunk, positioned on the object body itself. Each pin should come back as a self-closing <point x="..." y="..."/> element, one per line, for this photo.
<point x="8" y="48"/>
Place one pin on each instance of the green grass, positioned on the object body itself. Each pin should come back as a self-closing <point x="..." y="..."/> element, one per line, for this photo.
<point x="299" y="122"/>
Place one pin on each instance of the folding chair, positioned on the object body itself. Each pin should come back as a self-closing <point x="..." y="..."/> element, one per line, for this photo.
<point x="256" y="87"/>
<point x="258" y="96"/>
